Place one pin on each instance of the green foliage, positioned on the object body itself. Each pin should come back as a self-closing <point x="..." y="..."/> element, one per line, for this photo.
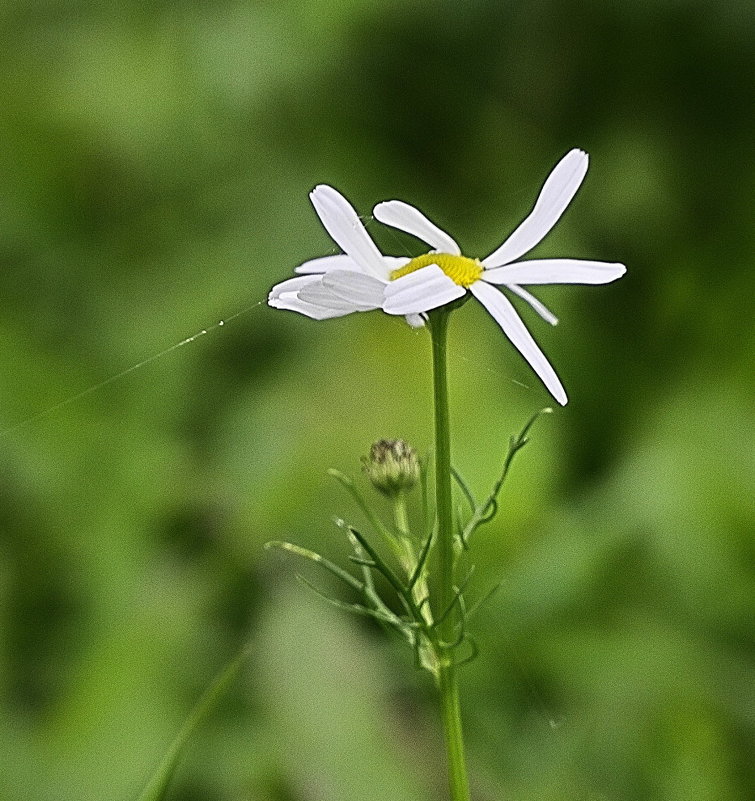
<point x="158" y="786"/>
<point x="155" y="165"/>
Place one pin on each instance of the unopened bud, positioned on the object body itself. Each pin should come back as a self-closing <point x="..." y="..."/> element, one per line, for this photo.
<point x="392" y="466"/>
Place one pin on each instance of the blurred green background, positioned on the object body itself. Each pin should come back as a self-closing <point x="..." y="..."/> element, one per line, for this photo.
<point x="155" y="160"/>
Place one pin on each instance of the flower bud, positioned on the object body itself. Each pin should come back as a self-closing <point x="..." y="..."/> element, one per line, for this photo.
<point x="392" y="466"/>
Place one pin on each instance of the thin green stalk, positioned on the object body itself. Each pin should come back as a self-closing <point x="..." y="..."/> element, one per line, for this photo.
<point x="443" y="578"/>
<point x="157" y="788"/>
<point x="451" y="712"/>
<point x="400" y="515"/>
<point x="401" y="519"/>
<point x="414" y="565"/>
<point x="444" y="568"/>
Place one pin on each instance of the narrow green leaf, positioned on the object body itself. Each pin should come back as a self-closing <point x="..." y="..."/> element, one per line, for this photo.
<point x="464" y="487"/>
<point x="486" y="511"/>
<point x="477" y="605"/>
<point x="459" y="526"/>
<point x="379" y="563"/>
<point x="348" y="483"/>
<point x="472" y="655"/>
<point x="157" y="787"/>
<point x="305" y="553"/>
<point x="420" y="562"/>
<point x="362" y="560"/>
<point x="370" y="593"/>
<point x="458" y="600"/>
<point x="389" y="575"/>
<point x="358" y="609"/>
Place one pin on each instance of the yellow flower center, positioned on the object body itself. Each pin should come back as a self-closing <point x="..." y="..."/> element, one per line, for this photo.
<point x="459" y="269"/>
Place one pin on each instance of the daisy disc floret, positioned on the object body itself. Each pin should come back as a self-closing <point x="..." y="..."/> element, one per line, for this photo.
<point x="363" y="279"/>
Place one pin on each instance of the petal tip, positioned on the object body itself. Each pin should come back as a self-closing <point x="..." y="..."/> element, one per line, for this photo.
<point x="322" y="191"/>
<point x="578" y="158"/>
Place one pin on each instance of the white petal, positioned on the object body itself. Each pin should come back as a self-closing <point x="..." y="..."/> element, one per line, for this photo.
<point x="292" y="285"/>
<point x="363" y="291"/>
<point x="505" y="315"/>
<point x="343" y="224"/>
<point x="290" y="302"/>
<point x="326" y="263"/>
<point x="416" y="320"/>
<point x="539" y="307"/>
<point x="554" y="197"/>
<point x="420" y="291"/>
<point x="406" y="218"/>
<point x="394" y="262"/>
<point x="556" y="271"/>
<point x="318" y="295"/>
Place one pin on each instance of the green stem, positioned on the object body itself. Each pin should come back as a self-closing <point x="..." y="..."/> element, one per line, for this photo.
<point x="451" y="712"/>
<point x="443" y="579"/>
<point x="400" y="515"/>
<point x="401" y="518"/>
<point x="409" y="559"/>
<point x="444" y="546"/>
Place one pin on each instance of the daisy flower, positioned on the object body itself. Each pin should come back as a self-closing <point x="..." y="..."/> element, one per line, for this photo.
<point x="363" y="279"/>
